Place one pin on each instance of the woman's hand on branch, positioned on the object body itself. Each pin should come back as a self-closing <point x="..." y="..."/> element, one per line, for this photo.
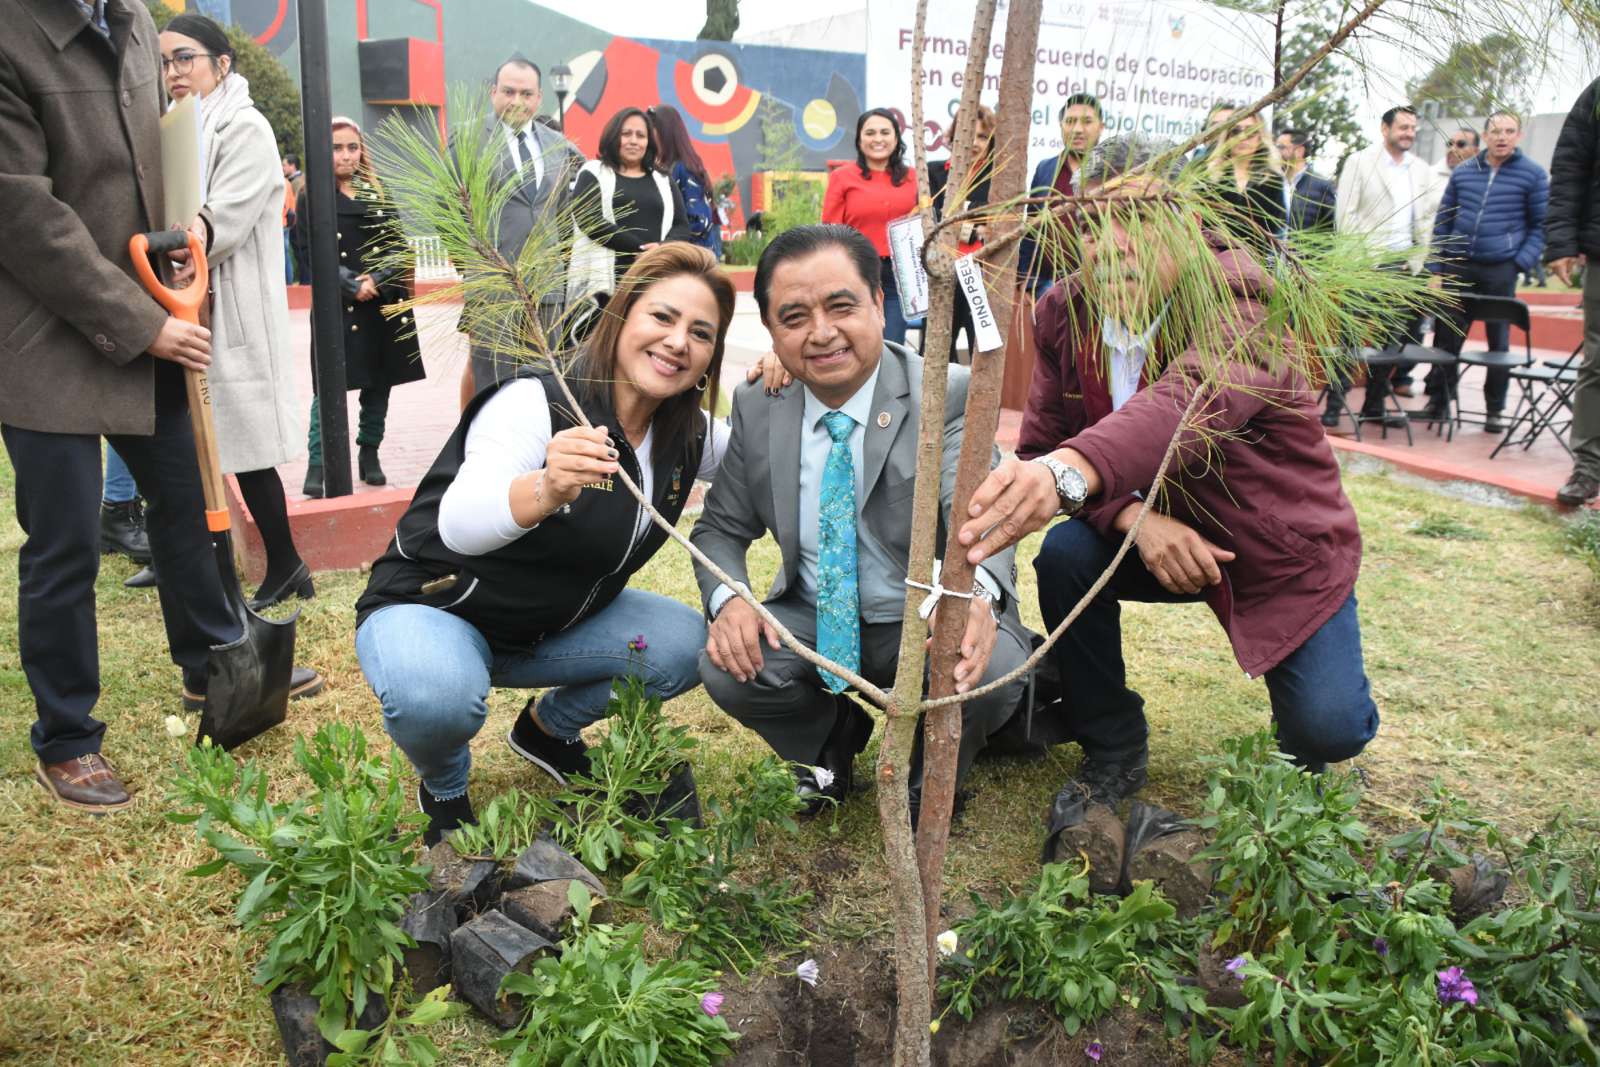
<point x="770" y="368"/>
<point x="734" y="639"/>
<point x="1181" y="560"/>
<point x="576" y="458"/>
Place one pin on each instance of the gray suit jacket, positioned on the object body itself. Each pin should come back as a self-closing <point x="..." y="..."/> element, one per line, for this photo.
<point x="529" y="203"/>
<point x="757" y="487"/>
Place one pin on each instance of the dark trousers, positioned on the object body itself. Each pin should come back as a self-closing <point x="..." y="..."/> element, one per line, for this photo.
<point x="1475" y="279"/>
<point x="787" y="705"/>
<point x="1321" y="701"/>
<point x="58" y="507"/>
<point x="370" y="422"/>
<point x="1381" y="380"/>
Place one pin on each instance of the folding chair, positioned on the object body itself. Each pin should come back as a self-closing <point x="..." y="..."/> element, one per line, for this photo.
<point x="1546" y="394"/>
<point x="1370" y="358"/>
<point x="1427" y="355"/>
<point x="1490" y="310"/>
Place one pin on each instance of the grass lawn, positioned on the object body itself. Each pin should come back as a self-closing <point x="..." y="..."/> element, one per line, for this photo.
<point x="1482" y="652"/>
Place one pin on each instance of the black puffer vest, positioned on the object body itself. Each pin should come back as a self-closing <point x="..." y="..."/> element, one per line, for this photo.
<point x="567" y="568"/>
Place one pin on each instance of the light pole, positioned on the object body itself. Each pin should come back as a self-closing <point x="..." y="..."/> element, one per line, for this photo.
<point x="561" y="82"/>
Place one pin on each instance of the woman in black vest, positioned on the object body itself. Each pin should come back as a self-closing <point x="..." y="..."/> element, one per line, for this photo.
<point x="510" y="566"/>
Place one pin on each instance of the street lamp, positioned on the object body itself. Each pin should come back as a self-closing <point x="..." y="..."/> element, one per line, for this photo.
<point x="561" y="82"/>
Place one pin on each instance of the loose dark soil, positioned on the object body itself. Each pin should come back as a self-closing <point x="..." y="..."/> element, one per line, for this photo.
<point x="847" y="1020"/>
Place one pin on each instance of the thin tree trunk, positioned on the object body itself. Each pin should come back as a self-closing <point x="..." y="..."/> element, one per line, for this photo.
<point x="942" y="733"/>
<point x="913" y="950"/>
<point x="1277" y="45"/>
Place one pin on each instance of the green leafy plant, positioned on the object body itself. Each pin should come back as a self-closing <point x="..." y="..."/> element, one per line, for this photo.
<point x="689" y="877"/>
<point x="1076" y="956"/>
<point x="1583" y="537"/>
<point x="327" y="876"/>
<point x="398" y="1043"/>
<point x="601" y="1004"/>
<point x="508" y="824"/>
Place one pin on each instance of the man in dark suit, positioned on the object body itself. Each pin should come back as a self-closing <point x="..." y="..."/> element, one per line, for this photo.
<point x="1082" y="123"/>
<point x="1309" y="197"/>
<point x="544" y="163"/>
<point x="829" y="469"/>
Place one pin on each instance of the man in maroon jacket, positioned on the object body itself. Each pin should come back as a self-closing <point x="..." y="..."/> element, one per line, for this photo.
<point x="1252" y="520"/>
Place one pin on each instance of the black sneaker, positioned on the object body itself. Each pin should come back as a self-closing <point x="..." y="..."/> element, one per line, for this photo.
<point x="443" y="815"/>
<point x="556" y="757"/>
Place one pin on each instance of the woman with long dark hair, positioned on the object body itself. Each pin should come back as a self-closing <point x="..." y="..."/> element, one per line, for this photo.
<point x="380" y="351"/>
<point x="624" y="205"/>
<point x="869" y="195"/>
<point x="252" y="379"/>
<point x="675" y="154"/>
<point x="510" y="566"/>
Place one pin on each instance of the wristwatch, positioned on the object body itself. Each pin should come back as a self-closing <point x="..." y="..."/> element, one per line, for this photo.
<point x="1070" y="486"/>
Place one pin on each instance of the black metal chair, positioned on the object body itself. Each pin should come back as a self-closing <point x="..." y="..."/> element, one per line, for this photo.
<point x="1428" y="356"/>
<point x="1546" y="396"/>
<point x="1389" y="404"/>
<point x="1491" y="310"/>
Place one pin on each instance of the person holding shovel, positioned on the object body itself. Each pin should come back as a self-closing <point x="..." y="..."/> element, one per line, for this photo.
<point x="252" y="380"/>
<point x="510" y="567"/>
<point x="85" y="352"/>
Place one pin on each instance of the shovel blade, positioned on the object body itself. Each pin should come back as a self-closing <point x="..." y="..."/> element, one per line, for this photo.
<point x="248" y="691"/>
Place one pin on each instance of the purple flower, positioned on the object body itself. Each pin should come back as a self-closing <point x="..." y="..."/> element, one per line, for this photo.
<point x="638" y="644"/>
<point x="1094" y="1050"/>
<point x="1380" y="945"/>
<point x="1234" y="967"/>
<point x="1456" y="988"/>
<point x="711" y="1004"/>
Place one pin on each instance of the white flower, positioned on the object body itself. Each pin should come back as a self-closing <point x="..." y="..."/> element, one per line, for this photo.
<point x="807" y="972"/>
<point x="176" y="727"/>
<point x="722" y="887"/>
<point x="824" y="777"/>
<point x="947" y="943"/>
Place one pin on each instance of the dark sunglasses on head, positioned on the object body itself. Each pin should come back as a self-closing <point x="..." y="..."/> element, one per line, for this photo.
<point x="1459" y="144"/>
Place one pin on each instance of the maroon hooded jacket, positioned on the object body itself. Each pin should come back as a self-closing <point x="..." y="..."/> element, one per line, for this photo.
<point x="1259" y="480"/>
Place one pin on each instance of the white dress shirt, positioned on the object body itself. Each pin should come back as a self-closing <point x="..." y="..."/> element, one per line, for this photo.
<point x="1128" y="354"/>
<point x="1397" y="228"/>
<point x="535" y="149"/>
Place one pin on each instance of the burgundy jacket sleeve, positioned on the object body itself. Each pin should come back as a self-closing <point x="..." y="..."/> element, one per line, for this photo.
<point x="1055" y="413"/>
<point x="1126" y="447"/>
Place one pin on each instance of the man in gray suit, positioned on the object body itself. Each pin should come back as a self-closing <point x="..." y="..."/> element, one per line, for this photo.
<point x="829" y="468"/>
<point x="544" y="163"/>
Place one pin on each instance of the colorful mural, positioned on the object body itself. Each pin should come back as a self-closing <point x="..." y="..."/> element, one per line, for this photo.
<point x="400" y="55"/>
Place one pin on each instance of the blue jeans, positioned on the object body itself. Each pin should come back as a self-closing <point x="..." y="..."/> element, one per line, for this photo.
<point x="432" y="670"/>
<point x="894" y="320"/>
<point x="1321" y="700"/>
<point x="120" y="487"/>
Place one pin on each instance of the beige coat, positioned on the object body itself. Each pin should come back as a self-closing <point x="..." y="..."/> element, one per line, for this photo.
<point x="1364" y="202"/>
<point x="80" y="173"/>
<point x="258" y="410"/>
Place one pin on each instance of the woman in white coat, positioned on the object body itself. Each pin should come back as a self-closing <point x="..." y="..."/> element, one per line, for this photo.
<point x="252" y="372"/>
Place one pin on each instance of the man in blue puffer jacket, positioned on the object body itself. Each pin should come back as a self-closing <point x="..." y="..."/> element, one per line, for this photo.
<point x="1489" y="229"/>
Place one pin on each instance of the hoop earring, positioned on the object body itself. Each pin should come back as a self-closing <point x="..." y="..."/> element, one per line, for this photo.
<point x="705" y="380"/>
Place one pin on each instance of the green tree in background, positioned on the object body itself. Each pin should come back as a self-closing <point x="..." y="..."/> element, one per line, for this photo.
<point x="722" y="20"/>
<point x="275" y="94"/>
<point x="1320" y="104"/>
<point x="1478" y="77"/>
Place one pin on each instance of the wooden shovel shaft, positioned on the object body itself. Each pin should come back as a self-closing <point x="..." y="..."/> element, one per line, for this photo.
<point x="190" y="304"/>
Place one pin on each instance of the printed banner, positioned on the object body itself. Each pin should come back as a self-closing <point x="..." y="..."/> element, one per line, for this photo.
<point x="1156" y="66"/>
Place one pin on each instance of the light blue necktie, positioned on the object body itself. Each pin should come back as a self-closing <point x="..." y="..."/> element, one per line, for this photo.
<point x="838" y="595"/>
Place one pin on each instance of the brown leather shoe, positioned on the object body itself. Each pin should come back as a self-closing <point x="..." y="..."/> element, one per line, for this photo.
<point x="87" y="783"/>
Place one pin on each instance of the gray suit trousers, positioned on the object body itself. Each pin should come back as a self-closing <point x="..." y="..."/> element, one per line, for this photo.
<point x="787" y="705"/>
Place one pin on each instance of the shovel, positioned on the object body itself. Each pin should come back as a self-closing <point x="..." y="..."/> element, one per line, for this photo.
<point x="248" y="688"/>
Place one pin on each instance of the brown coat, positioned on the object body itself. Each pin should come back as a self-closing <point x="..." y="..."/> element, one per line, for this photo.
<point x="80" y="173"/>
